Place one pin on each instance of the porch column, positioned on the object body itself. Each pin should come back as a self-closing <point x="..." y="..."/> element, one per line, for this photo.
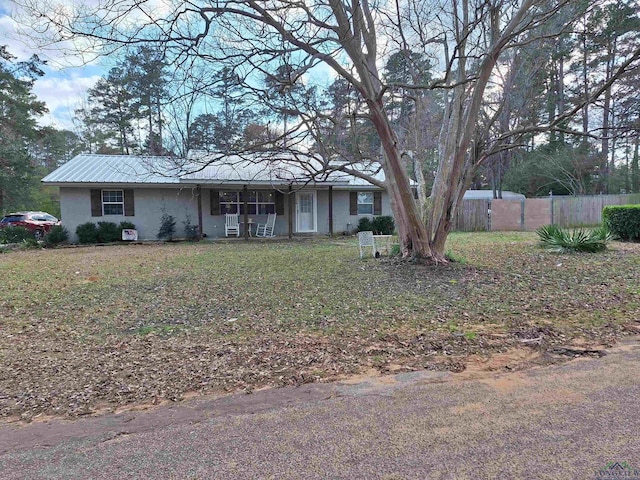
<point x="290" y="213"/>
<point x="245" y="200"/>
<point x="199" y="197"/>
<point x="330" y="211"/>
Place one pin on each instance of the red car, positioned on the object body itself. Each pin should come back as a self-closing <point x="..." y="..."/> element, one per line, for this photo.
<point x="37" y="222"/>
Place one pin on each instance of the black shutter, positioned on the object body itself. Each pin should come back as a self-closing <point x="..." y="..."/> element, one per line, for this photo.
<point x="96" y="203"/>
<point x="129" y="210"/>
<point x="215" y="202"/>
<point x="353" y="203"/>
<point x="377" y="203"/>
<point x="279" y="196"/>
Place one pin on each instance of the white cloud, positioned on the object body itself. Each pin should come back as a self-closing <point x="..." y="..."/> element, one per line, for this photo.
<point x="10" y="38"/>
<point x="62" y="96"/>
<point x="62" y="88"/>
<point x="23" y="41"/>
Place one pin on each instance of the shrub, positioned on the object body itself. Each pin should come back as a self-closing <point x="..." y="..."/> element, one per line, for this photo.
<point x="191" y="232"/>
<point x="127" y="226"/>
<point x="108" y="232"/>
<point x="577" y="240"/>
<point x="29" y="243"/>
<point x="14" y="234"/>
<point x="87" y="233"/>
<point x="364" y="224"/>
<point x="623" y="221"/>
<point x="167" y="227"/>
<point x="57" y="235"/>
<point x="383" y="225"/>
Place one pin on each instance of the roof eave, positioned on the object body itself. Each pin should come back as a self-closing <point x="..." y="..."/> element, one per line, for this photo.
<point x="116" y="184"/>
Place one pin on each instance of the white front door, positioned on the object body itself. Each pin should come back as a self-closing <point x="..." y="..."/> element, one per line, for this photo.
<point x="306" y="211"/>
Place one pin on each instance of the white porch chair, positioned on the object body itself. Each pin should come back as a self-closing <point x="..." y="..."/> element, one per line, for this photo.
<point x="231" y="225"/>
<point x="365" y="239"/>
<point x="267" y="229"/>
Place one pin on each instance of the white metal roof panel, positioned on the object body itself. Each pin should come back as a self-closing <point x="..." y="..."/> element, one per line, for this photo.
<point x="87" y="168"/>
<point x="256" y="169"/>
<point x="488" y="195"/>
<point x="264" y="169"/>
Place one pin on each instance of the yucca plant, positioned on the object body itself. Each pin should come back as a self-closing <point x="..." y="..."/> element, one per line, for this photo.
<point x="577" y="240"/>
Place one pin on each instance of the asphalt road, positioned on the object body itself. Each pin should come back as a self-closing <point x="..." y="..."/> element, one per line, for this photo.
<point x="562" y="422"/>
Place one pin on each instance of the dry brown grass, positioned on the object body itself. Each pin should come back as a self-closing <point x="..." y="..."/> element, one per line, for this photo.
<point x="99" y="327"/>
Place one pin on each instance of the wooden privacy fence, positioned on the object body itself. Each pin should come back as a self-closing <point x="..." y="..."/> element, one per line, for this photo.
<point x="586" y="210"/>
<point x="531" y="213"/>
<point x="472" y="216"/>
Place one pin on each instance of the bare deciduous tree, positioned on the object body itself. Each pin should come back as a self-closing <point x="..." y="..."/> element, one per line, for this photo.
<point x="466" y="39"/>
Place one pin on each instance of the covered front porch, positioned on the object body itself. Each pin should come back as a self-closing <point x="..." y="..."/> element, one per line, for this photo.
<point x="298" y="211"/>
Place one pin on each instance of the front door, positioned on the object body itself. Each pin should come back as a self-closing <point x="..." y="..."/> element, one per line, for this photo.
<point x="306" y="212"/>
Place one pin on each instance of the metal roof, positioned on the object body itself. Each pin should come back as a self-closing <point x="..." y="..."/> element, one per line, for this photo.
<point x="256" y="169"/>
<point x="115" y="169"/>
<point x="259" y="169"/>
<point x="488" y="195"/>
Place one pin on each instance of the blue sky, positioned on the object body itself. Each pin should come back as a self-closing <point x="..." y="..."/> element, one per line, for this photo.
<point x="66" y="80"/>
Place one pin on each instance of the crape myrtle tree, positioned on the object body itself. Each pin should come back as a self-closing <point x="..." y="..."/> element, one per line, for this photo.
<point x="466" y="39"/>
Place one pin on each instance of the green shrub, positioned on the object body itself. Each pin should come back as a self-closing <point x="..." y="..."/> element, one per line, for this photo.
<point x="364" y="224"/>
<point x="57" y="235"/>
<point x="127" y="226"/>
<point x="623" y="221"/>
<point x="14" y="234"/>
<point x="108" y="232"/>
<point x="29" y="243"/>
<point x="577" y="240"/>
<point x="87" y="233"/>
<point x="191" y="232"/>
<point x="383" y="225"/>
<point x="167" y="227"/>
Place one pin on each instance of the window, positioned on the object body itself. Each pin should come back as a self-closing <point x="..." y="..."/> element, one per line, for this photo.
<point x="258" y="202"/>
<point x="365" y="203"/>
<point x="13" y="219"/>
<point x="112" y="202"/>
<point x="228" y="202"/>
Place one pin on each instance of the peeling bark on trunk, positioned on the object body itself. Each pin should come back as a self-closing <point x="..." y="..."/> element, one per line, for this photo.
<point x="411" y="229"/>
<point x="457" y="156"/>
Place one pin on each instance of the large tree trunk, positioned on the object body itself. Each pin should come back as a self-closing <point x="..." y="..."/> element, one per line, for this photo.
<point x="411" y="228"/>
<point x="457" y="153"/>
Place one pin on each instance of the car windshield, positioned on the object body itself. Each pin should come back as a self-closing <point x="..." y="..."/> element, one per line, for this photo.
<point x="12" y="218"/>
<point x="49" y="218"/>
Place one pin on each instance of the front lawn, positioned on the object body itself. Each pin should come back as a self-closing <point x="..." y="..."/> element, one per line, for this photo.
<point x="90" y="329"/>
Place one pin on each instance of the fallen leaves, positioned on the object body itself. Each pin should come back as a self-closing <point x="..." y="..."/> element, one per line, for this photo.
<point x="84" y="329"/>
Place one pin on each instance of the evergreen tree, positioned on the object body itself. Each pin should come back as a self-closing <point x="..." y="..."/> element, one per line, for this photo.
<point x="112" y="107"/>
<point x="146" y="81"/>
<point x="18" y="111"/>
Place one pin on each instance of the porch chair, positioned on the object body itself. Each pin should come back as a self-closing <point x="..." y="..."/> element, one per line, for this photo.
<point x="365" y="239"/>
<point x="231" y="226"/>
<point x="266" y="229"/>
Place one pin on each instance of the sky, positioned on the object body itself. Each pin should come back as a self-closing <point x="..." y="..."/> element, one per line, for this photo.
<point x="66" y="80"/>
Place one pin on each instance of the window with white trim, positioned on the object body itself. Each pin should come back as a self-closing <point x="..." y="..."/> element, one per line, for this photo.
<point x="112" y="202"/>
<point x="260" y="202"/>
<point x="365" y="203"/>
